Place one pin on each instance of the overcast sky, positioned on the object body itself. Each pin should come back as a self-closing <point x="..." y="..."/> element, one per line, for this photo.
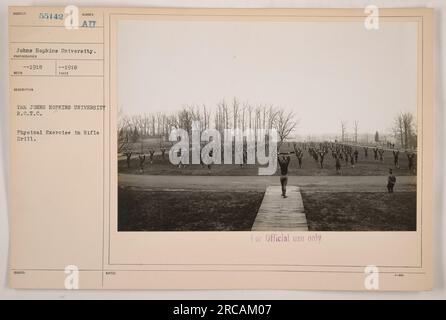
<point x="325" y="72"/>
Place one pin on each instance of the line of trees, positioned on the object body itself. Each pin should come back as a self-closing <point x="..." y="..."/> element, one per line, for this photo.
<point x="233" y="115"/>
<point x="403" y="131"/>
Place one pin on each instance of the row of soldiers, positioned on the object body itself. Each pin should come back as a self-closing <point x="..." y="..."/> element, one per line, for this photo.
<point x="347" y="153"/>
<point x="151" y="153"/>
<point x="142" y="157"/>
<point x="317" y="151"/>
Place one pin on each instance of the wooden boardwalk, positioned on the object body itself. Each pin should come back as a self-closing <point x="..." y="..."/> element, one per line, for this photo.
<point x="281" y="214"/>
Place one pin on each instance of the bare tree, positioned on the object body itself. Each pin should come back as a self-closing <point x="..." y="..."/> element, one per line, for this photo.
<point x="124" y="130"/>
<point x="409" y="129"/>
<point x="145" y="125"/>
<point x="158" y="123"/>
<point x="242" y="118"/>
<point x="235" y="113"/>
<point x="206" y="117"/>
<point x="250" y="116"/>
<point x="257" y="118"/>
<point x="404" y="130"/>
<point x="226" y="114"/>
<point x="185" y="118"/>
<point x="343" y="130"/>
<point x="284" y="123"/>
<point x="272" y="115"/>
<point x="398" y="129"/>
<point x="138" y="127"/>
<point x="356" y="124"/>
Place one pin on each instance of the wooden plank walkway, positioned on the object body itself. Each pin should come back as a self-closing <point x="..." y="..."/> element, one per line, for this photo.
<point x="281" y="214"/>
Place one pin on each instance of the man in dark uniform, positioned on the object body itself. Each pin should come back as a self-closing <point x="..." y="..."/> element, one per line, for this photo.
<point x="151" y="153"/>
<point x="381" y="155"/>
<point x="410" y="158"/>
<point x="244" y="157"/>
<point x="396" y="161"/>
<point x="375" y="153"/>
<point x="352" y="160"/>
<point x="128" y="156"/>
<point x="299" y="158"/>
<point x="391" y="180"/>
<point x="142" y="159"/>
<point x="179" y="156"/>
<point x="321" y="158"/>
<point x="211" y="153"/>
<point x="338" y="165"/>
<point x="284" y="161"/>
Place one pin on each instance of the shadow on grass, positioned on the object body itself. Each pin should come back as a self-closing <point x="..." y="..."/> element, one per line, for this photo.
<point x="360" y="211"/>
<point x="140" y="210"/>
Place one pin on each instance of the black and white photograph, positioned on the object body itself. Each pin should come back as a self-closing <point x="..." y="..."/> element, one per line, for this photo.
<point x="278" y="126"/>
<point x="226" y="150"/>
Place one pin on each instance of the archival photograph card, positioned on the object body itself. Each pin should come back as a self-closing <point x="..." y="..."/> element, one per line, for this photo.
<point x="161" y="148"/>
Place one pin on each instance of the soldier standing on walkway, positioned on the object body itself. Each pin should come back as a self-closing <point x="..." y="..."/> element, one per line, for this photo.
<point x="284" y="161"/>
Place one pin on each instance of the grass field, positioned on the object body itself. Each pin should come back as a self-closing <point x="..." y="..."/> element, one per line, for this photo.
<point x="361" y="211"/>
<point x="228" y="210"/>
<point x="364" y="167"/>
<point x="141" y="210"/>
